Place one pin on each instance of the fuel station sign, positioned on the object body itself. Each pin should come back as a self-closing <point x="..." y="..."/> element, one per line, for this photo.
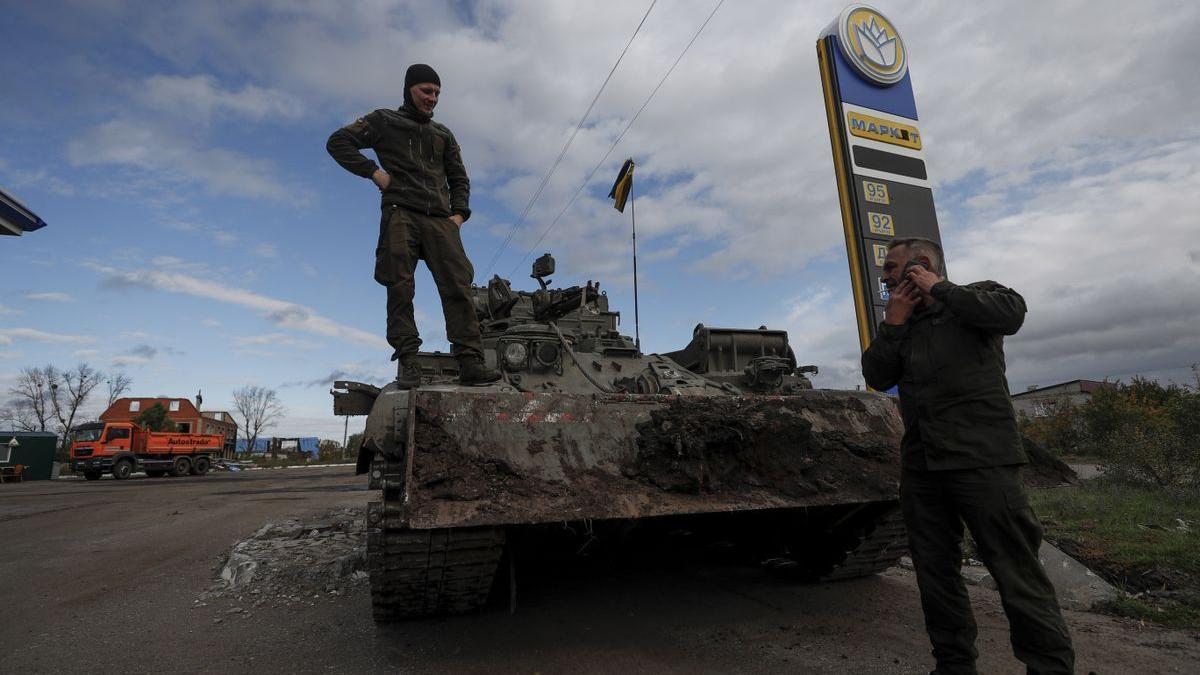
<point x="878" y="154"/>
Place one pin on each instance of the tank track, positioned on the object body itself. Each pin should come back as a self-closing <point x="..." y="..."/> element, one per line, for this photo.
<point x="848" y="550"/>
<point x="877" y="550"/>
<point x="417" y="573"/>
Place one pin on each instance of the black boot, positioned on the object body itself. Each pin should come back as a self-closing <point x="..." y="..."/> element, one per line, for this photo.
<point x="471" y="370"/>
<point x="409" y="374"/>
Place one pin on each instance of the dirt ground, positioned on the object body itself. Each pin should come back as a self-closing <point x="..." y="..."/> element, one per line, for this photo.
<point x="108" y="576"/>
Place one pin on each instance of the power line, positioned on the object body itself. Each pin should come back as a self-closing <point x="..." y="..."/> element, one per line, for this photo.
<point x="612" y="147"/>
<point x="546" y="179"/>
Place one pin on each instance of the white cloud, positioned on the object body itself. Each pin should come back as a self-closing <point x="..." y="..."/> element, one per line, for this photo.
<point x="202" y="97"/>
<point x="267" y="250"/>
<point x="1107" y="263"/>
<point x="10" y="310"/>
<point x="280" y="312"/>
<point x="127" y="360"/>
<point x="85" y="353"/>
<point x="273" y="340"/>
<point x="175" y="161"/>
<point x="211" y="323"/>
<point x="11" y="335"/>
<point x="49" y="296"/>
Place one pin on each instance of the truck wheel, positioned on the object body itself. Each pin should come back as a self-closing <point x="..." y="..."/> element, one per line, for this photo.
<point x="92" y="475"/>
<point x="181" y="467"/>
<point x="122" y="469"/>
<point x="200" y="466"/>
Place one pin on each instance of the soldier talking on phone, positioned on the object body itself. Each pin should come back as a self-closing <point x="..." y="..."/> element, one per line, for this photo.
<point x="943" y="345"/>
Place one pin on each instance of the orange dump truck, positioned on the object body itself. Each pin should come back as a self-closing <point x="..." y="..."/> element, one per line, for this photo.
<point x="121" y="448"/>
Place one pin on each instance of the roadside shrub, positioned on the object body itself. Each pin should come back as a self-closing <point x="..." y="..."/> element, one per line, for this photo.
<point x="1157" y="454"/>
<point x="1061" y="432"/>
<point x="330" y="451"/>
<point x="1142" y="432"/>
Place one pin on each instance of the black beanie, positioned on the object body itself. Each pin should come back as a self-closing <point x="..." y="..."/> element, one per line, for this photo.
<point x="419" y="73"/>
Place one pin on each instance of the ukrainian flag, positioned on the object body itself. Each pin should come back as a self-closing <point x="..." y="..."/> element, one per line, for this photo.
<point x="620" y="189"/>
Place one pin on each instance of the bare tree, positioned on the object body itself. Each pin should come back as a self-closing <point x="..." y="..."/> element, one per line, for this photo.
<point x="259" y="409"/>
<point x="68" y="393"/>
<point x="32" y="390"/>
<point x="16" y="415"/>
<point x="118" y="383"/>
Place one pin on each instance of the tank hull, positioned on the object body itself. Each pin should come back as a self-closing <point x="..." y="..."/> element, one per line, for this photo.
<point x="495" y="459"/>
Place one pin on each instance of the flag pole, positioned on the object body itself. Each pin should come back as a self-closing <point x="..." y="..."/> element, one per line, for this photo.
<point x="637" y="334"/>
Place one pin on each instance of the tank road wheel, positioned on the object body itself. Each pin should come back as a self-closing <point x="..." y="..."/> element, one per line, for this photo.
<point x="122" y="469"/>
<point x="418" y="573"/>
<point x="200" y="466"/>
<point x="92" y="475"/>
<point x="181" y="466"/>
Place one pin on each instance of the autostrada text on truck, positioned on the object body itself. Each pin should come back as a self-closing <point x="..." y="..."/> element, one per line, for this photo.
<point x="121" y="448"/>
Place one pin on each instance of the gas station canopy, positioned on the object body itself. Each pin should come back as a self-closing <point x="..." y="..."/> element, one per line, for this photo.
<point x="16" y="218"/>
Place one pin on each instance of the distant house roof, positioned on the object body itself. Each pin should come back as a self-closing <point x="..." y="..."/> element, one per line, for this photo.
<point x="1085" y="386"/>
<point x="220" y="417"/>
<point x="16" y="218"/>
<point x="129" y="408"/>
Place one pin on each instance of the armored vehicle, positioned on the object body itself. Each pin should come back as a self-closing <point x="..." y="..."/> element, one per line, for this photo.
<point x="726" y="437"/>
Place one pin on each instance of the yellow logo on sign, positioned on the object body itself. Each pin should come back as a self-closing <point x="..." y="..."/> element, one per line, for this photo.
<point x="886" y="131"/>
<point x="872" y="44"/>
<point x="880" y="254"/>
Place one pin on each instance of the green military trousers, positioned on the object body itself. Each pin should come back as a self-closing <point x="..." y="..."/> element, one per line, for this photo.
<point x="404" y="238"/>
<point x="992" y="503"/>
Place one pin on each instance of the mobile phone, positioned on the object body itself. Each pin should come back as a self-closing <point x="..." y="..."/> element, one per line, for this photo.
<point x="911" y="264"/>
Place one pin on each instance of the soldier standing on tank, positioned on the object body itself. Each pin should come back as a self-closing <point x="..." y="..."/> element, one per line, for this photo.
<point x="425" y="194"/>
<point x="943" y="344"/>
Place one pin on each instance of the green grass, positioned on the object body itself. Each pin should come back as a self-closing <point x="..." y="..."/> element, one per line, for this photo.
<point x="1132" y="536"/>
<point x="1129" y="525"/>
<point x="1170" y="613"/>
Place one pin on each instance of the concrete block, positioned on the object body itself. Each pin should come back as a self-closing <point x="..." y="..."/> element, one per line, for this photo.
<point x="1078" y="587"/>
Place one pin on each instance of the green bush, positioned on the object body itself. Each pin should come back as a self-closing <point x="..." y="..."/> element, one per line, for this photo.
<point x="1143" y="432"/>
<point x="331" y="451"/>
<point x="1061" y="432"/>
<point x="155" y="418"/>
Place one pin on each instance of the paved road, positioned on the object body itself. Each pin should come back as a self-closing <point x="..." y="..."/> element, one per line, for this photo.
<point x="104" y="577"/>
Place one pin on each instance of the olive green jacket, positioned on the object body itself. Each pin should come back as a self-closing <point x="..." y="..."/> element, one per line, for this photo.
<point x="948" y="361"/>
<point x="421" y="156"/>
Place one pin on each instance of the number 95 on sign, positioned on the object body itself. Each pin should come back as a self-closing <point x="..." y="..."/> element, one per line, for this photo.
<point x="876" y="193"/>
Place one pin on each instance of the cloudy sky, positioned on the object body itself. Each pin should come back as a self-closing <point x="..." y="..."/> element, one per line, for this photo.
<point x="201" y="239"/>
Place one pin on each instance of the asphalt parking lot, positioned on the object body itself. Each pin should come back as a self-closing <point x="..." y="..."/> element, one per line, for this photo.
<point x="107" y="576"/>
